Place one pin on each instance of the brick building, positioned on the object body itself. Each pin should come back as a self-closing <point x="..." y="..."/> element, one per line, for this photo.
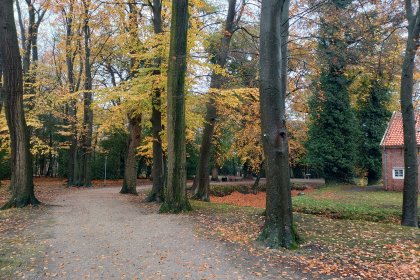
<point x="393" y="152"/>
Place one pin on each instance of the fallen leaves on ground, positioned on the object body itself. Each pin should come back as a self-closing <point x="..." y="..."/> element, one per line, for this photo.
<point x="337" y="248"/>
<point x="254" y="200"/>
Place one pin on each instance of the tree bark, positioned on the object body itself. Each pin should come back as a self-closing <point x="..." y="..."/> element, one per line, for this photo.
<point x="21" y="25"/>
<point x="175" y="193"/>
<point x="134" y="120"/>
<point x="215" y="174"/>
<point x="257" y="181"/>
<point x="1" y="83"/>
<point x="278" y="228"/>
<point x="71" y="106"/>
<point x="130" y="168"/>
<point x="28" y="43"/>
<point x="86" y="162"/>
<point x="410" y="193"/>
<point x="158" y="166"/>
<point x="21" y="180"/>
<point x="201" y="187"/>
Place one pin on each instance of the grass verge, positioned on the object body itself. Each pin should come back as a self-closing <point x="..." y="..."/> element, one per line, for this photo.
<point x="351" y="202"/>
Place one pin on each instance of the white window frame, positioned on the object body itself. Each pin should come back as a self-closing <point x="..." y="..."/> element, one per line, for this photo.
<point x="399" y="176"/>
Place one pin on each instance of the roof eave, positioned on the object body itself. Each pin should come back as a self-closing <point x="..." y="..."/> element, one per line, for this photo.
<point x="387" y="129"/>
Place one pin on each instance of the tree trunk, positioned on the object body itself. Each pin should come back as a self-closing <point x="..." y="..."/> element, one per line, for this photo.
<point x="257" y="181"/>
<point x="134" y="121"/>
<point x="28" y="43"/>
<point x="157" y="168"/>
<point x="21" y="160"/>
<point x="71" y="106"/>
<point x="21" y="27"/>
<point x="1" y="82"/>
<point x="410" y="194"/>
<point x="201" y="182"/>
<point x="215" y="174"/>
<point x="86" y="163"/>
<point x="130" y="169"/>
<point x="278" y="227"/>
<point x="175" y="194"/>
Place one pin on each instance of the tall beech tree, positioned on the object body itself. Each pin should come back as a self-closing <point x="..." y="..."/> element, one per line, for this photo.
<point x="134" y="119"/>
<point x="86" y="151"/>
<point x="158" y="162"/>
<point x="175" y="193"/>
<point x="21" y="161"/>
<point x="201" y="182"/>
<point x="72" y="85"/>
<point x="411" y="181"/>
<point x="278" y="229"/>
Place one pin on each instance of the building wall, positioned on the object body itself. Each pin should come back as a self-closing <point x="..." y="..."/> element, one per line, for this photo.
<point x="392" y="158"/>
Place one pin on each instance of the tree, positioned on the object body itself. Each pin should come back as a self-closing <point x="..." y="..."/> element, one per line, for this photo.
<point x="134" y="119"/>
<point x="130" y="169"/>
<point x="21" y="180"/>
<point x="158" y="162"/>
<point x="332" y="131"/>
<point x="373" y="115"/>
<point x="175" y="194"/>
<point x="72" y="166"/>
<point x="86" y="157"/>
<point x="201" y="182"/>
<point x="411" y="181"/>
<point x="29" y="37"/>
<point x="278" y="228"/>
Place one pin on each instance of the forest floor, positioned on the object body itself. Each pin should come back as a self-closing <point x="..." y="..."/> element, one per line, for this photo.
<point x="97" y="233"/>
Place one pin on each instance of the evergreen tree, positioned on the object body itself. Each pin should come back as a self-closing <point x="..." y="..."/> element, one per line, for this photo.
<point x="333" y="130"/>
<point x="373" y="116"/>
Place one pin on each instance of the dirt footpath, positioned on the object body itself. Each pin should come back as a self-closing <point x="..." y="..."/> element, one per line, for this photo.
<point x="100" y="234"/>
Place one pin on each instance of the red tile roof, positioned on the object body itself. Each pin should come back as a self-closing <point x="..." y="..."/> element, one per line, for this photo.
<point x="393" y="136"/>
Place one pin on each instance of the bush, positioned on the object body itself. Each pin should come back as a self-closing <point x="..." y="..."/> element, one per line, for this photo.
<point x="223" y="190"/>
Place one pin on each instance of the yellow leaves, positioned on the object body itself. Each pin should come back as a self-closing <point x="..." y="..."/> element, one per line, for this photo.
<point x="40" y="147"/>
<point x="238" y="112"/>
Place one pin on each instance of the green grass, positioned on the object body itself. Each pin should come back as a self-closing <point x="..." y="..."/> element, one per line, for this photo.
<point x="222" y="208"/>
<point x="339" y="202"/>
<point x="351" y="202"/>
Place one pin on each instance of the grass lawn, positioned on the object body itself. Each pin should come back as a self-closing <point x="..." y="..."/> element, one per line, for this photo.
<point x="351" y="202"/>
<point x="335" y="201"/>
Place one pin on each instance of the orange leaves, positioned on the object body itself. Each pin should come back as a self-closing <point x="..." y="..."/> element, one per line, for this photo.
<point x="239" y="199"/>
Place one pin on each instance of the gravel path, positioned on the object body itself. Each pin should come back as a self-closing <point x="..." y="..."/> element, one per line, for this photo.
<point x="100" y="234"/>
